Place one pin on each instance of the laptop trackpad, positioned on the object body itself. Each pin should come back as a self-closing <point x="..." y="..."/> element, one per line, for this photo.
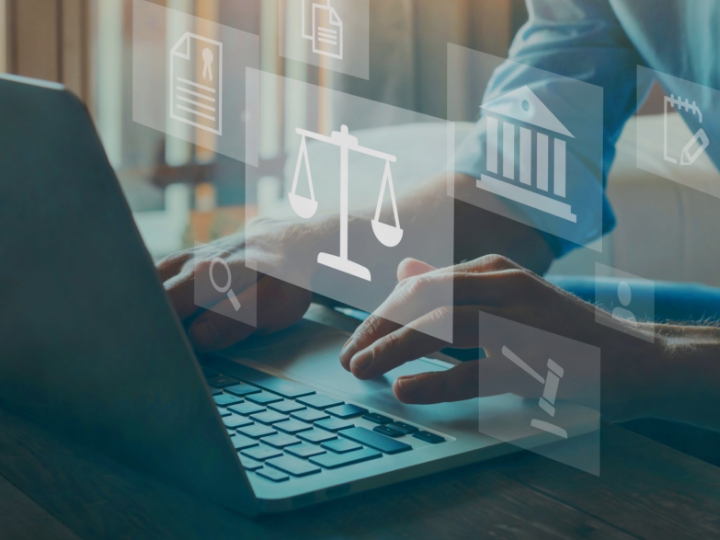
<point x="311" y="357"/>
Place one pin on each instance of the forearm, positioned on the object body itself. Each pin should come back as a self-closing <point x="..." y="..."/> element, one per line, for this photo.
<point x="480" y="232"/>
<point x="674" y="377"/>
<point x="690" y="375"/>
<point x="477" y="232"/>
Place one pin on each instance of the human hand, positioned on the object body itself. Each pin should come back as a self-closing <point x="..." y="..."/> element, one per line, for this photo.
<point x="495" y="286"/>
<point x="279" y="304"/>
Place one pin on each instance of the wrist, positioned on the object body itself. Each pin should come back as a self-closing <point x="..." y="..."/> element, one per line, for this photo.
<point x="676" y="377"/>
<point x="634" y="381"/>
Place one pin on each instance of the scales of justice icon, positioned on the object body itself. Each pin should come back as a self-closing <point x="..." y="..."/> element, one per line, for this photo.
<point x="387" y="235"/>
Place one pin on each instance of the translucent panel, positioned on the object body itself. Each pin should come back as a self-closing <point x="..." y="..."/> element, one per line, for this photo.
<point x="624" y="301"/>
<point x="189" y="79"/>
<point x="351" y="198"/>
<point x="553" y="407"/>
<point x="682" y="143"/>
<point x="536" y="152"/>
<point x="334" y="34"/>
<point x="224" y="285"/>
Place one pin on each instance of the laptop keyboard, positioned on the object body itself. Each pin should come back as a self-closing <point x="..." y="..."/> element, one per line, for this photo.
<point x="284" y="430"/>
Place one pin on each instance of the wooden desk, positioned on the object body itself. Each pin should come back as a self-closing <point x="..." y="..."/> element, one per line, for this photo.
<point x="645" y="490"/>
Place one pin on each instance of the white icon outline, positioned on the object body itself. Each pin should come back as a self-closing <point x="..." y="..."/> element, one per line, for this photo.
<point x="227" y="290"/>
<point x="522" y="105"/>
<point x="217" y="109"/>
<point x="324" y="35"/>
<point x="551" y="384"/>
<point x="622" y="313"/>
<point x="686" y="159"/>
<point x="388" y="235"/>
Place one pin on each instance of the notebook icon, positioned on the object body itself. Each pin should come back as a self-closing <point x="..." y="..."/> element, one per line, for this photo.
<point x="324" y="28"/>
<point x="196" y="69"/>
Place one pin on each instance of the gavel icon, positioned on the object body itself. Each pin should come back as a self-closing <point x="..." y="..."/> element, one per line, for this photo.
<point x="551" y="383"/>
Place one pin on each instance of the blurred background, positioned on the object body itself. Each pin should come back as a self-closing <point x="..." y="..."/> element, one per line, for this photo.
<point x="181" y="193"/>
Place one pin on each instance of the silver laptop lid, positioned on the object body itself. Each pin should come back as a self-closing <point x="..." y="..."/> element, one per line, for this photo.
<point x="89" y="343"/>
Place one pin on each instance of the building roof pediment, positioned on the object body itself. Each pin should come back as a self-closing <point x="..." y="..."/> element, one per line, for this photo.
<point x="524" y="106"/>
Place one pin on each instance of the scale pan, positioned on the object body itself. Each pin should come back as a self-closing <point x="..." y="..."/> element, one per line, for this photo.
<point x="388" y="235"/>
<point x="304" y="207"/>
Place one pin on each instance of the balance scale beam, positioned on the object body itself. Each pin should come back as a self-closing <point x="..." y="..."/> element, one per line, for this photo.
<point x="354" y="147"/>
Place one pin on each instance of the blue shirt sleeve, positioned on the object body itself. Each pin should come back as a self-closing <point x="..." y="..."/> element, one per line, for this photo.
<point x="581" y="40"/>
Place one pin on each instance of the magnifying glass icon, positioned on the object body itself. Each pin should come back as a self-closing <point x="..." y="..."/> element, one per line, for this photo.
<point x="226" y="289"/>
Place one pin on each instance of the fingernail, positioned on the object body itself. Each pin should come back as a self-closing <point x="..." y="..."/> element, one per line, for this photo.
<point x="348" y="350"/>
<point x="361" y="362"/>
<point x="204" y="334"/>
<point x="407" y="385"/>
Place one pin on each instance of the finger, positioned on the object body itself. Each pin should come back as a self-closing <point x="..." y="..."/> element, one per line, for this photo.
<point x="213" y="331"/>
<point x="416" y="340"/>
<point x="488" y="263"/>
<point x="420" y="295"/>
<point x="192" y="289"/>
<point x="479" y="378"/>
<point x="411" y="299"/>
<point x="456" y="384"/>
<point x="412" y="267"/>
<point x="172" y="265"/>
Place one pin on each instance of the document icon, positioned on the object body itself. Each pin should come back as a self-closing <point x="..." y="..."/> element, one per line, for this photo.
<point x="196" y="82"/>
<point x="326" y="30"/>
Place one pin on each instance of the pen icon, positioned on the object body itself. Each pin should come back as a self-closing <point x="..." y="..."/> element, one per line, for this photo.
<point x="700" y="137"/>
<point x="688" y="156"/>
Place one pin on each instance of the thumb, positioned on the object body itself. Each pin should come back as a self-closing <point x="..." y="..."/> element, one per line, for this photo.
<point x="412" y="267"/>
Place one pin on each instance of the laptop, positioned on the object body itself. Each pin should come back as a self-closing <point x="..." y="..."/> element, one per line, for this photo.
<point x="92" y="348"/>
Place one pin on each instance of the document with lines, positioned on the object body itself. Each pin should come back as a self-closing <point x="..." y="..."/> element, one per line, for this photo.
<point x="196" y="82"/>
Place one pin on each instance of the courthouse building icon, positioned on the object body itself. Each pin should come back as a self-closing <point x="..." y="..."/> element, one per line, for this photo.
<point x="521" y="116"/>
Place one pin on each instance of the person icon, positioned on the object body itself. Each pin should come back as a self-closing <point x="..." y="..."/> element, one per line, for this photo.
<point x="625" y="297"/>
<point x="208" y="59"/>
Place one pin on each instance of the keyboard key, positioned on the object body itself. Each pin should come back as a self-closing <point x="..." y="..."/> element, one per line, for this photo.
<point x="234" y="421"/>
<point x="377" y="418"/>
<point x="374" y="440"/>
<point x="309" y="415"/>
<point x="215" y="391"/>
<point x="387" y="430"/>
<point x="346" y="411"/>
<point x="268" y="417"/>
<point x="294" y="466"/>
<point x="316" y="436"/>
<point x="429" y="437"/>
<point x="280" y="440"/>
<point x="330" y="460"/>
<point x="250" y="464"/>
<point x="305" y="450"/>
<point x="223" y="400"/>
<point x="261" y="453"/>
<point x="242" y="390"/>
<point x="286" y="407"/>
<point x="257" y="430"/>
<point x="282" y="387"/>
<point x="340" y="446"/>
<point x="402" y="427"/>
<point x="263" y="398"/>
<point x="320" y="401"/>
<point x="272" y="474"/>
<point x="333" y="424"/>
<point x="240" y="442"/>
<point x="221" y="381"/>
<point x="223" y="412"/>
<point x="246" y="409"/>
<point x="292" y="426"/>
